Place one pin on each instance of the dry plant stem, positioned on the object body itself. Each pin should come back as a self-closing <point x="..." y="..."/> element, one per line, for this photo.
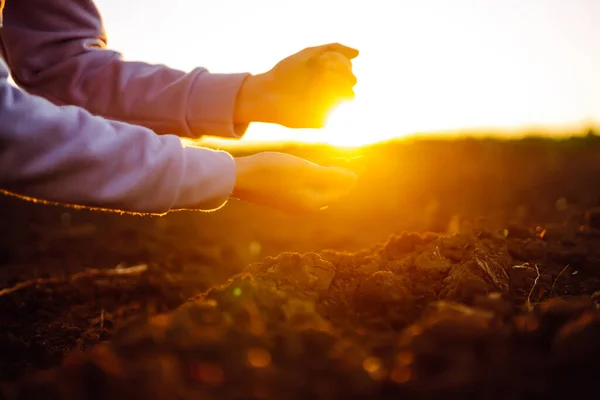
<point x="534" y="285"/>
<point x="486" y="268"/>
<point x="557" y="278"/>
<point x="138" y="269"/>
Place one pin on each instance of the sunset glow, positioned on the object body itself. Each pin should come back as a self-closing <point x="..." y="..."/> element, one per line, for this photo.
<point x="426" y="65"/>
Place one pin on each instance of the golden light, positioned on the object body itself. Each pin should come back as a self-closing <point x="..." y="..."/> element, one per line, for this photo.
<point x="349" y="125"/>
<point x="372" y="364"/>
<point x="374" y="368"/>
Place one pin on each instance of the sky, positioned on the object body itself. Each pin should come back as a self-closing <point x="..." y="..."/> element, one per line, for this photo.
<point x="425" y="65"/>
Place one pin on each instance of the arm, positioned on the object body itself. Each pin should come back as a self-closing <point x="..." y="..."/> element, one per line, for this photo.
<point x="57" y="50"/>
<point x="66" y="155"/>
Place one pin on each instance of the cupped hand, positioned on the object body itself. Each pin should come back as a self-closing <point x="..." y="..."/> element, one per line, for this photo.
<point x="288" y="183"/>
<point x="301" y="90"/>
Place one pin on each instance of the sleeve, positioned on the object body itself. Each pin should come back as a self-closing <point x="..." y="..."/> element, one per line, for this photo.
<point x="57" y="49"/>
<point x="64" y="154"/>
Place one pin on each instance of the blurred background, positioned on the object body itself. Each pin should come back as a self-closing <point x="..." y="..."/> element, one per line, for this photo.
<point x="502" y="66"/>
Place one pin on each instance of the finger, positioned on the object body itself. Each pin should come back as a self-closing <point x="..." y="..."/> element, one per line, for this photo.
<point x="316" y="200"/>
<point x="348" y="52"/>
<point x="329" y="64"/>
<point x="318" y="187"/>
<point x="336" y="87"/>
<point x="327" y="80"/>
<point x="334" y="179"/>
<point x="335" y="58"/>
<point x="335" y="62"/>
<point x="344" y="180"/>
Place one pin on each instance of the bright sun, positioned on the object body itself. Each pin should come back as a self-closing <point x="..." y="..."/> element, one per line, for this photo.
<point x="351" y="124"/>
<point x="347" y="126"/>
<point x="361" y="122"/>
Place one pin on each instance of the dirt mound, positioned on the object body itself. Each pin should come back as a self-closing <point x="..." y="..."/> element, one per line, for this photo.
<point x="422" y="316"/>
<point x="42" y="319"/>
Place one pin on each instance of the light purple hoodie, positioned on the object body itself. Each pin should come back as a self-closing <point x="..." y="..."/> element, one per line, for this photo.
<point x="88" y="128"/>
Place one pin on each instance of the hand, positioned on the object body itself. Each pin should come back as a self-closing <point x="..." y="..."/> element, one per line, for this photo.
<point x="301" y="90"/>
<point x="289" y="183"/>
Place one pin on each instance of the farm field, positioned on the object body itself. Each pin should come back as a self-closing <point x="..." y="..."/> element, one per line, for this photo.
<point x="462" y="268"/>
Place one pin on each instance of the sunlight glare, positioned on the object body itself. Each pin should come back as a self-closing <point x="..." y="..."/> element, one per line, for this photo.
<point x="351" y="125"/>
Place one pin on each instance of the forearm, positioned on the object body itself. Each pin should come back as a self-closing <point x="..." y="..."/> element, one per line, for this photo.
<point x="57" y="49"/>
<point x="66" y="155"/>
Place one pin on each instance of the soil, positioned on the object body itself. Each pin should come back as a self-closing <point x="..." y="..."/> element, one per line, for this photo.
<point x="466" y="269"/>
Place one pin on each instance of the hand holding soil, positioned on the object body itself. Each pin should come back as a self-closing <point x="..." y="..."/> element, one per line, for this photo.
<point x="301" y="90"/>
<point x="290" y="183"/>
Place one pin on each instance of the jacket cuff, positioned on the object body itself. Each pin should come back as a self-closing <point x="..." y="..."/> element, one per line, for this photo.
<point x="211" y="105"/>
<point x="207" y="181"/>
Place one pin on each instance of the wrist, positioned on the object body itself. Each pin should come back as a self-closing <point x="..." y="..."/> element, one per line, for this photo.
<point x="250" y="172"/>
<point x="242" y="168"/>
<point x="253" y="100"/>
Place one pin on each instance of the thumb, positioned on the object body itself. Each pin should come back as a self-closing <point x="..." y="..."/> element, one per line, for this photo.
<point x="339" y="183"/>
<point x="346" y="51"/>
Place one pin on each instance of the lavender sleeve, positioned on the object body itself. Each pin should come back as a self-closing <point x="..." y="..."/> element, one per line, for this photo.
<point x="57" y="49"/>
<point x="65" y="154"/>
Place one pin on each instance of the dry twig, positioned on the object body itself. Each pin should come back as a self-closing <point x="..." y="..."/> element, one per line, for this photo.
<point x="138" y="269"/>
